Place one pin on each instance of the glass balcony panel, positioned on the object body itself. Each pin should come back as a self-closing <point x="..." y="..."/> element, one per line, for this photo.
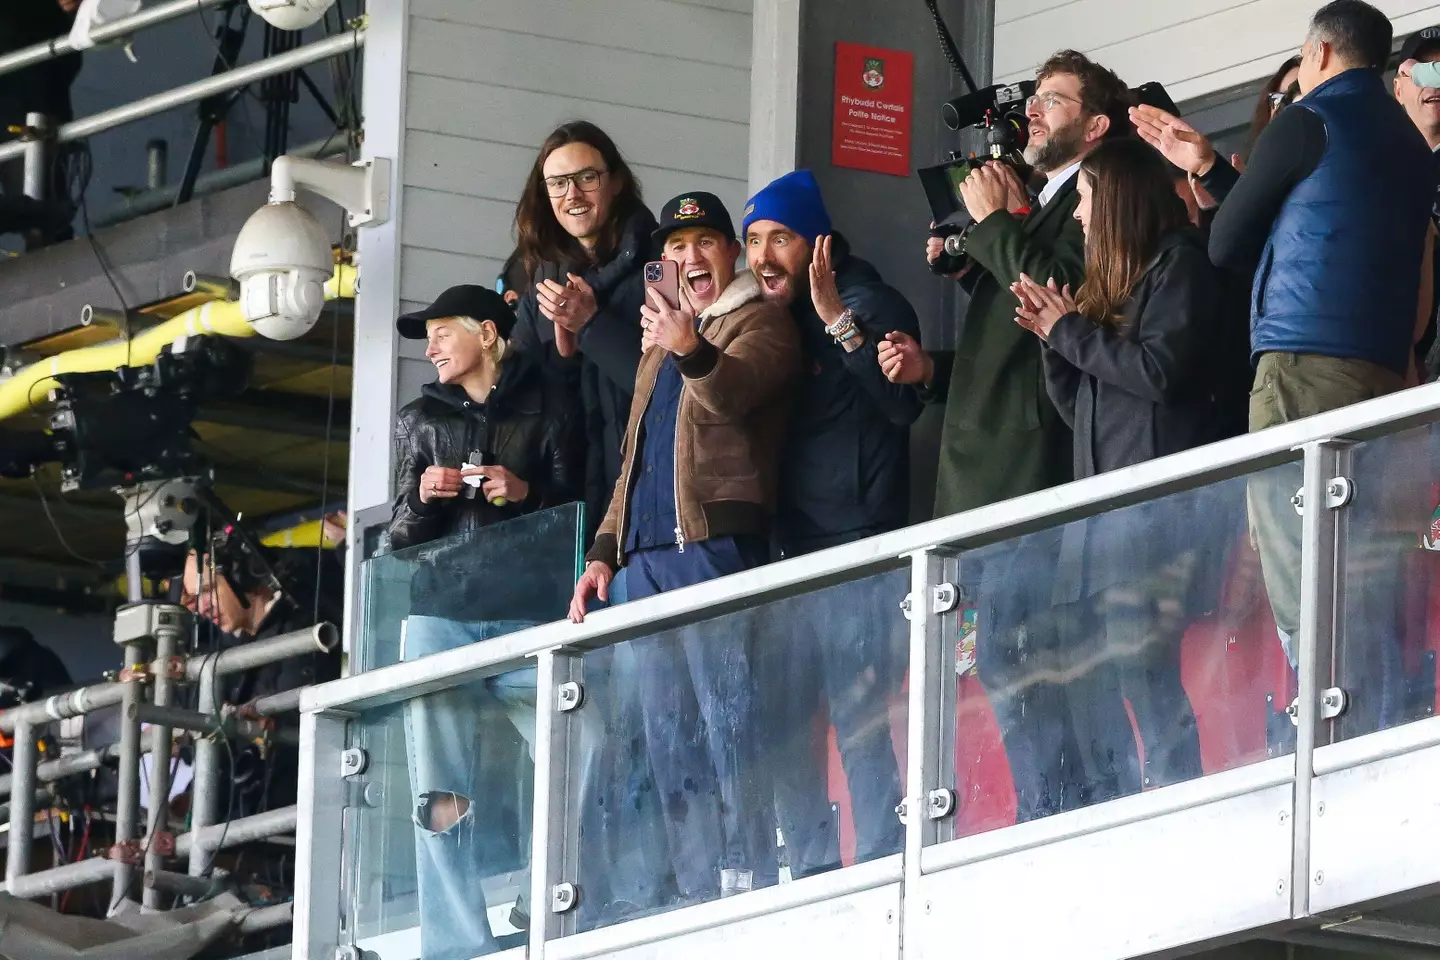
<point x="509" y="576"/>
<point x="750" y="749"/>
<point x="1387" y="624"/>
<point x="1116" y="654"/>
<point x="437" y="840"/>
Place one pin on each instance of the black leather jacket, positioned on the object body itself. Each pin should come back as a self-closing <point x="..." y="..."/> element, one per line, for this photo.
<point x="527" y="426"/>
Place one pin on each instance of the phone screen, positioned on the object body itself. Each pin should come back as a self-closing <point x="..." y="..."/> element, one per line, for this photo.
<point x="664" y="277"/>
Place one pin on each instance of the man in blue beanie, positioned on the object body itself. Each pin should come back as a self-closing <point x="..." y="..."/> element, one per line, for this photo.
<point x="844" y="476"/>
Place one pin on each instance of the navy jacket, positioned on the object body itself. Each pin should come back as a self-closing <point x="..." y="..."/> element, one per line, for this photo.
<point x="846" y="470"/>
<point x="602" y="377"/>
<point x="1340" y="274"/>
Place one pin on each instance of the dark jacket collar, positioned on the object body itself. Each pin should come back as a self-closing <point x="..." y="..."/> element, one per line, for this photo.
<point x="1051" y="209"/>
<point x="509" y="396"/>
<point x="1351" y="81"/>
<point x="634" y="250"/>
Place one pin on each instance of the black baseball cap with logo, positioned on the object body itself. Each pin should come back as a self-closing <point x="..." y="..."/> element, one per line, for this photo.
<point x="476" y="302"/>
<point x="694" y="210"/>
<point x="1420" y="43"/>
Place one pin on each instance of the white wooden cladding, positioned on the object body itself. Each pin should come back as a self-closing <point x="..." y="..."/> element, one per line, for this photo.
<point x="1194" y="47"/>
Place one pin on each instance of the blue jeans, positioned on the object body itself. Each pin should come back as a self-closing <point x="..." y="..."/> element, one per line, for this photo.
<point x="842" y="647"/>
<point x="698" y="698"/>
<point x="445" y="736"/>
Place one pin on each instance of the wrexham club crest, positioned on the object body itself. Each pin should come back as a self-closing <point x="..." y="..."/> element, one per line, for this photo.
<point x="874" y="75"/>
<point x="689" y="210"/>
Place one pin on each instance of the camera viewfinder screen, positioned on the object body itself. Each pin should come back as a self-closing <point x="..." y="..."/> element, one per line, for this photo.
<point x="956" y="174"/>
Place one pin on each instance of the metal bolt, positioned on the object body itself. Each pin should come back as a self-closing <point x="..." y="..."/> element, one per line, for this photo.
<point x="1284" y="815"/>
<point x="927" y="906"/>
<point x="1319" y="877"/>
<point x="348" y="953"/>
<point x="562" y="897"/>
<point x="1280" y="888"/>
<point x="572" y="695"/>
<point x="353" y="762"/>
<point x="1320" y="809"/>
<point x="889" y="916"/>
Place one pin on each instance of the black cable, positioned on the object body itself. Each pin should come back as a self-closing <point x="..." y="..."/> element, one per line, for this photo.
<point x="947" y="45"/>
<point x="65" y="544"/>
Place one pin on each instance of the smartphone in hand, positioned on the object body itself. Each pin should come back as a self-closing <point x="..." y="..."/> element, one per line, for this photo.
<point x="664" y="277"/>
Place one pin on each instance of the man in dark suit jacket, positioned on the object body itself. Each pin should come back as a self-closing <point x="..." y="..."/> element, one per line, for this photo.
<point x="1002" y="437"/>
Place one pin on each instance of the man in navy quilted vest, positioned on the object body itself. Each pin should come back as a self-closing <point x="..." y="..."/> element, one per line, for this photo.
<point x="1332" y="217"/>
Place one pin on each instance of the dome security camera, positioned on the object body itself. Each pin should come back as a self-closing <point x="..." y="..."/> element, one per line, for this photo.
<point x="291" y="14"/>
<point x="282" y="259"/>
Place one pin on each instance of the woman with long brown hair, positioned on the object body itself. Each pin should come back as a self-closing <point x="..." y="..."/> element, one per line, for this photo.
<point x="1130" y="363"/>
<point x="583" y="236"/>
<point x="1279" y="90"/>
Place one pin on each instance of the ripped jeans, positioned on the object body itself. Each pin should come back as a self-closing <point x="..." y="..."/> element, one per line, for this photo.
<point x="445" y="736"/>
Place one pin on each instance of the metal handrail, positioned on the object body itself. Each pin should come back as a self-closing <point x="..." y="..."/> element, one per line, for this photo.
<point x="1000" y="521"/>
<point x="199" y="90"/>
<point x="149" y="17"/>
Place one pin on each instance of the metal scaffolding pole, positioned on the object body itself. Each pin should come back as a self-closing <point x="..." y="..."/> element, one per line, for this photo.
<point x="148" y="17"/>
<point x="22" y="804"/>
<point x="268" y="918"/>
<point x="68" y="877"/>
<point x="37" y="148"/>
<point x="72" y="704"/>
<point x="220" y="836"/>
<point x="167" y="641"/>
<point x="320" y="638"/>
<point x="205" y="800"/>
<point x="199" y="90"/>
<point x="127" y="797"/>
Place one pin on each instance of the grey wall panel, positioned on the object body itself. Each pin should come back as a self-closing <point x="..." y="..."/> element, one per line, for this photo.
<point x="456" y="223"/>
<point x="696" y="34"/>
<point x="497" y="171"/>
<point x="525" y="118"/>
<point x="412" y="375"/>
<point x="424" y="273"/>
<point x="568" y="68"/>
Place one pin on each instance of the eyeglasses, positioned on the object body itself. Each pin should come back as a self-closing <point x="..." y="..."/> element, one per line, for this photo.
<point x="1048" y="101"/>
<point x="588" y="180"/>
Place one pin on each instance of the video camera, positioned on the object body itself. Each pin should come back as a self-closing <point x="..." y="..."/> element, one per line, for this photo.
<point x="999" y="111"/>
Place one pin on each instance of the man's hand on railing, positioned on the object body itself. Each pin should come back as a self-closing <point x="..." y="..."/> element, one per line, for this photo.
<point x="594" y="583"/>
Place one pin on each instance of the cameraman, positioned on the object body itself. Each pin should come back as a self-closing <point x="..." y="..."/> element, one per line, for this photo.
<point x="1001" y="437"/>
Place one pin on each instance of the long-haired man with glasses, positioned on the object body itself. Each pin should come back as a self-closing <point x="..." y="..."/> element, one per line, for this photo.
<point x="583" y="235"/>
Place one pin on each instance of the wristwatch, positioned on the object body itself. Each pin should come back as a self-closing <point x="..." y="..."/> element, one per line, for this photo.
<point x="844" y="328"/>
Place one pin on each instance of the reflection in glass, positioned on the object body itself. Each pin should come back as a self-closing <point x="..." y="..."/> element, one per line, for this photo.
<point x="520" y="571"/>
<point x="438" y="858"/>
<point x="1118" y="653"/>
<point x="1385" y="637"/>
<point x="820" y="675"/>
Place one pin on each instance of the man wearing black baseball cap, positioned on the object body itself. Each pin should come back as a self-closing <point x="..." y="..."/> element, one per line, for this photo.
<point x="694" y="501"/>
<point x="493" y="437"/>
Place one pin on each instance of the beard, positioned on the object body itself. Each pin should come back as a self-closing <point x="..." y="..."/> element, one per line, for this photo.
<point x="796" y="290"/>
<point x="1060" y="149"/>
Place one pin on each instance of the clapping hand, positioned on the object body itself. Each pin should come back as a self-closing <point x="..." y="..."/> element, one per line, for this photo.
<point x="569" y="307"/>
<point x="1041" y="307"/>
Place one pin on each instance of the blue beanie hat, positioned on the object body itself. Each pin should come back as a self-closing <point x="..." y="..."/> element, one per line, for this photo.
<point x="794" y="201"/>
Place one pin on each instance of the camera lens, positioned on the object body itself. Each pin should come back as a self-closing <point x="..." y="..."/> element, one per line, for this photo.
<point x="653" y="273"/>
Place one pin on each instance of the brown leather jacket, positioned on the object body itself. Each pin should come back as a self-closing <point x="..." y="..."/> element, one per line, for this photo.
<point x="733" y="414"/>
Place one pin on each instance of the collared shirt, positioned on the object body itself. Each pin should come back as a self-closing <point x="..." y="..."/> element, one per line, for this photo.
<point x="652" y="497"/>
<point x="1056" y="182"/>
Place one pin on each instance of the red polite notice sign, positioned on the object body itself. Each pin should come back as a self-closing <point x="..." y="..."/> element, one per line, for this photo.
<point x="874" y="90"/>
